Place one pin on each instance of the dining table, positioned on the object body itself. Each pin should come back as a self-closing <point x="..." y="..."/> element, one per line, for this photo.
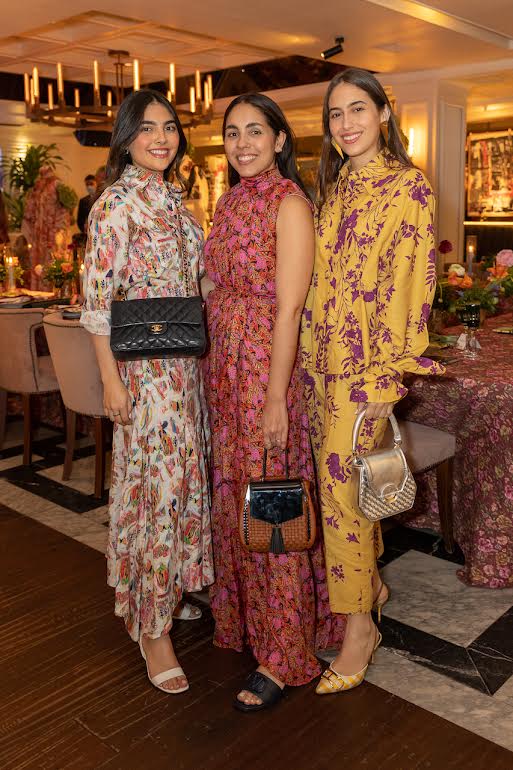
<point x="473" y="400"/>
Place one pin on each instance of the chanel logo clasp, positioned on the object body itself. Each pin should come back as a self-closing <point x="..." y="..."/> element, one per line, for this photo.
<point x="156" y="328"/>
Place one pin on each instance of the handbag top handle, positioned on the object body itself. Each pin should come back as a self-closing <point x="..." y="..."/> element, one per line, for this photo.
<point x="358" y="424"/>
<point x="264" y="464"/>
<point x="122" y="294"/>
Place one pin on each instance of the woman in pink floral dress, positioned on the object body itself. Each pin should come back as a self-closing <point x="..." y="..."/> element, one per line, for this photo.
<point x="258" y="259"/>
<point x="159" y="538"/>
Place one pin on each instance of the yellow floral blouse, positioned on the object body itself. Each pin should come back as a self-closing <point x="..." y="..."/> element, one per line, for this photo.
<point x="374" y="279"/>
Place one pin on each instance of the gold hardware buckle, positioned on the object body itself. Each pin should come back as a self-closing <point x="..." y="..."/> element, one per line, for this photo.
<point x="156" y="328"/>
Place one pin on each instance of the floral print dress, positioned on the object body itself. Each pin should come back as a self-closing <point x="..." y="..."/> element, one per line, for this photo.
<point x="159" y="537"/>
<point x="276" y="603"/>
<point x="365" y="325"/>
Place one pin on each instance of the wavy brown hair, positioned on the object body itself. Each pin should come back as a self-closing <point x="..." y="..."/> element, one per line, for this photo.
<point x="331" y="162"/>
<point x="126" y="128"/>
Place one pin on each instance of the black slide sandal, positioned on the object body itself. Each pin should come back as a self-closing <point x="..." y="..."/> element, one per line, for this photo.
<point x="264" y="688"/>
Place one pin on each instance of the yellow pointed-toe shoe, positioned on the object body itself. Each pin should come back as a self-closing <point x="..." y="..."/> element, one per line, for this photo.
<point x="331" y="682"/>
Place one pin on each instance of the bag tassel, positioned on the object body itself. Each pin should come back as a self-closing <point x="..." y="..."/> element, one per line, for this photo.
<point x="277" y="544"/>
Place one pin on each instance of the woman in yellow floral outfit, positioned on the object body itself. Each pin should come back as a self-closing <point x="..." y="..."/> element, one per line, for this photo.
<point x="365" y="325"/>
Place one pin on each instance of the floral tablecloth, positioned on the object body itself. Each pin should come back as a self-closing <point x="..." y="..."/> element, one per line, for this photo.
<point x="474" y="401"/>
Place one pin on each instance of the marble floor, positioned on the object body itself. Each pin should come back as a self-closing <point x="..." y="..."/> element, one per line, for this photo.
<point x="446" y="647"/>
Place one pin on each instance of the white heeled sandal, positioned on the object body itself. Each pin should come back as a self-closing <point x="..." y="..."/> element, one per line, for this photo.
<point x="158" y="679"/>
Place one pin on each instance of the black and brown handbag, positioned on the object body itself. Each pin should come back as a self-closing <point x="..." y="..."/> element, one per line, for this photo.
<point x="277" y="515"/>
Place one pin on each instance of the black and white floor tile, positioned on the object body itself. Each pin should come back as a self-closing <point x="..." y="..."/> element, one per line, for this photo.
<point x="446" y="647"/>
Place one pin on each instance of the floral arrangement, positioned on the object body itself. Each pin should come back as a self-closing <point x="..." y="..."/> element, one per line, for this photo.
<point x="57" y="271"/>
<point x="502" y="272"/>
<point x="486" y="289"/>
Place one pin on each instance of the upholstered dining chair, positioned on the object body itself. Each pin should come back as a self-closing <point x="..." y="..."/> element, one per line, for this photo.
<point x="21" y="369"/>
<point x="427" y="449"/>
<point x="78" y="375"/>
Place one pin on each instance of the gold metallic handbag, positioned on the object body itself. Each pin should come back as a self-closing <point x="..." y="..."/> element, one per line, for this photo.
<point x="386" y="485"/>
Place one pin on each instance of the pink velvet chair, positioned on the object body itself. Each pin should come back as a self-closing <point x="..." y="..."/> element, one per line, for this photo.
<point x="78" y="375"/>
<point x="21" y="369"/>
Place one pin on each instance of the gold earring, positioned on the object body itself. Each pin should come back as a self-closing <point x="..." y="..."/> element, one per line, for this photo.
<point x="384" y="130"/>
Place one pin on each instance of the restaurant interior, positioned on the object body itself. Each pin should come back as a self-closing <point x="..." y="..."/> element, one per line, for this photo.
<point x="441" y="692"/>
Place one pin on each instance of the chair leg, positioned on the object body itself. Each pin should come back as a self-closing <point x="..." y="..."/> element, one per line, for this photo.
<point x="3" y="415"/>
<point x="27" y="428"/>
<point x="71" y="432"/>
<point x="444" y="477"/>
<point x="99" y="468"/>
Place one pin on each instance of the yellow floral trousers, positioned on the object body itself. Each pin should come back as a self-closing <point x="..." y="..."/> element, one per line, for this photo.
<point x="352" y="543"/>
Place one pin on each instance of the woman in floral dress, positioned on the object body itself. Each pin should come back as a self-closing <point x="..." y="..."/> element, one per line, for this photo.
<point x="159" y="538"/>
<point x="366" y="325"/>
<point x="258" y="259"/>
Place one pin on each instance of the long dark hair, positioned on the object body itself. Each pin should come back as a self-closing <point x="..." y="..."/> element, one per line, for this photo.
<point x="126" y="128"/>
<point x="274" y="117"/>
<point x="331" y="162"/>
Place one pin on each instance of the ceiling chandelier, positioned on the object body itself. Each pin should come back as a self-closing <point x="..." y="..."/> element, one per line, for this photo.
<point x="100" y="116"/>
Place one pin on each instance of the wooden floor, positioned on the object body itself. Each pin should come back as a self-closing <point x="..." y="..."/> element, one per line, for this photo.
<point x="73" y="690"/>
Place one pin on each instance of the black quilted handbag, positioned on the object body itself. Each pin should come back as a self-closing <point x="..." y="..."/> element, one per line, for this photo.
<point x="164" y="327"/>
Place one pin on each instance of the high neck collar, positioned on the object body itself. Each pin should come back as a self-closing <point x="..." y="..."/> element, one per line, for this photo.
<point x="262" y="181"/>
<point x="141" y="177"/>
<point x="379" y="166"/>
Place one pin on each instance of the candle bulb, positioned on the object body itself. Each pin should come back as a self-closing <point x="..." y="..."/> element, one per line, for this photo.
<point x="109" y="103"/>
<point x="32" y="101"/>
<point x="26" y="86"/>
<point x="77" y="98"/>
<point x="197" y="78"/>
<point x="96" y="82"/>
<point x="169" y="97"/>
<point x="137" y="80"/>
<point x="35" y="80"/>
<point x="206" y="95"/>
<point x="60" y="83"/>
<point x="11" y="281"/>
<point x="50" y="96"/>
<point x="172" y="82"/>
<point x="210" y="89"/>
<point x="192" y="99"/>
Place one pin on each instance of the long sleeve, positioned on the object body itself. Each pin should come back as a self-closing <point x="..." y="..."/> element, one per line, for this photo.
<point x="106" y="250"/>
<point x="398" y="334"/>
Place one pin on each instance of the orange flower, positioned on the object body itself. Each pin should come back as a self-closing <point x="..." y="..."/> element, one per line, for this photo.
<point x="454" y="280"/>
<point x="466" y="282"/>
<point x="67" y="267"/>
<point x="499" y="271"/>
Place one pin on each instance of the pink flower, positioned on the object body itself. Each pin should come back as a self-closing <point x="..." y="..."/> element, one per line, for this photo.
<point x="66" y="267"/>
<point x="505" y="258"/>
<point x="445" y="247"/>
<point x="38" y="270"/>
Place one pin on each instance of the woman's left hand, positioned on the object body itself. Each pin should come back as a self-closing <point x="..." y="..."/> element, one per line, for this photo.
<point x="375" y="411"/>
<point x="275" y="423"/>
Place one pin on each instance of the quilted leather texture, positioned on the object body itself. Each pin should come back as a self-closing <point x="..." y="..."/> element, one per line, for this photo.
<point x="165" y="327"/>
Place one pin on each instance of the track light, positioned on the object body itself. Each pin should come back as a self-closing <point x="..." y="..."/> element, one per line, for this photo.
<point x="334" y="50"/>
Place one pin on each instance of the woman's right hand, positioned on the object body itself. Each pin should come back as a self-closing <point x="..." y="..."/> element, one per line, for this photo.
<point x="117" y="402"/>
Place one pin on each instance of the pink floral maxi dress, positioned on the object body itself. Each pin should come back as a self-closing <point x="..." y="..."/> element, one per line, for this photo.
<point x="278" y="604"/>
<point x="159" y="537"/>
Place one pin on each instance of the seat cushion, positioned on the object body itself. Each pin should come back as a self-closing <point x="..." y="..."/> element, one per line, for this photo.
<point x="46" y="379"/>
<point x="423" y="446"/>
